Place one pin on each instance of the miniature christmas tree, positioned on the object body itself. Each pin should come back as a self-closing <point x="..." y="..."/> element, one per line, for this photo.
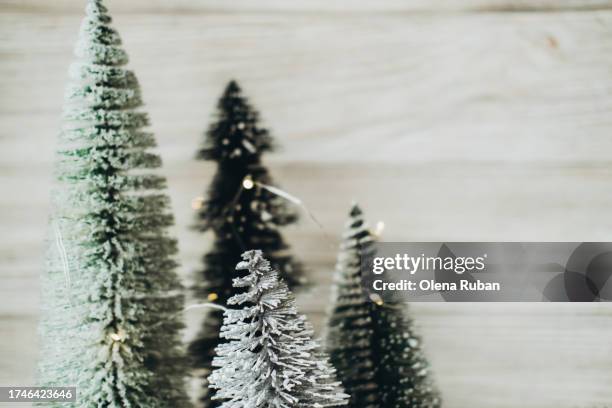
<point x="240" y="213"/>
<point x="110" y="293"/>
<point x="270" y="359"/>
<point x="372" y="344"/>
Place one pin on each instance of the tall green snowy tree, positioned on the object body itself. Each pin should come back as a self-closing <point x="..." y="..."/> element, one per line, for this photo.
<point x="111" y="297"/>
<point x="241" y="214"/>
<point x="270" y="359"/>
<point x="373" y="345"/>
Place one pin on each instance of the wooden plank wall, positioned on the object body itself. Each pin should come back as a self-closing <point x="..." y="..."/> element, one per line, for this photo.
<point x="449" y="120"/>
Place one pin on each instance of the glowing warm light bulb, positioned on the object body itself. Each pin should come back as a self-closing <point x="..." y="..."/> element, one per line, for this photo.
<point x="374" y="297"/>
<point x="119" y="336"/>
<point x="197" y="203"/>
<point x="380" y="227"/>
<point x="248" y="183"/>
<point x="212" y="297"/>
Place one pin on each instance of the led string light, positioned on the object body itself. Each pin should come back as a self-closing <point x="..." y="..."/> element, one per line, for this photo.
<point x="118" y="336"/>
<point x="248" y="183"/>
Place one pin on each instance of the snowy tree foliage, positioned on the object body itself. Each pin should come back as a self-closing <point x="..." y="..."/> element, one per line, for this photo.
<point x="270" y="359"/>
<point x="110" y="293"/>
<point x="373" y="345"/>
<point x="240" y="218"/>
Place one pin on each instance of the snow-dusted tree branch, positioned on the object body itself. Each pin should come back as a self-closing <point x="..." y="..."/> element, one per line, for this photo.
<point x="270" y="359"/>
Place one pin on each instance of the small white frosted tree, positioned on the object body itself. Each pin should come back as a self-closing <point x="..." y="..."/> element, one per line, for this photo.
<point x="270" y="359"/>
<point x="111" y="297"/>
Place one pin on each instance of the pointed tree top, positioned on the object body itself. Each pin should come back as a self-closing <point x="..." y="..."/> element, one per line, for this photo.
<point x="357" y="234"/>
<point x="355" y="210"/>
<point x="99" y="43"/>
<point x="236" y="134"/>
<point x="97" y="4"/>
<point x="253" y="259"/>
<point x="232" y="87"/>
<point x="96" y="8"/>
<point x="233" y="91"/>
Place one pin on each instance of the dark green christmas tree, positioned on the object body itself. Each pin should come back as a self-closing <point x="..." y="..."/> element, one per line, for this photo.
<point x="111" y="298"/>
<point x="241" y="214"/>
<point x="373" y="345"/>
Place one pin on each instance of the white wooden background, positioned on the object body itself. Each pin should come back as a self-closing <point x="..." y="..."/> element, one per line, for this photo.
<point x="449" y="120"/>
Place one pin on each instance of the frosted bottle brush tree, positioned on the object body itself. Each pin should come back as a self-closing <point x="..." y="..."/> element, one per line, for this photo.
<point x="239" y="212"/>
<point x="110" y="293"/>
<point x="270" y="359"/>
<point x="373" y="345"/>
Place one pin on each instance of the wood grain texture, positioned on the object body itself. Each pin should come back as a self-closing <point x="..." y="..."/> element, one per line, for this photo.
<point x="318" y="6"/>
<point x="448" y="126"/>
